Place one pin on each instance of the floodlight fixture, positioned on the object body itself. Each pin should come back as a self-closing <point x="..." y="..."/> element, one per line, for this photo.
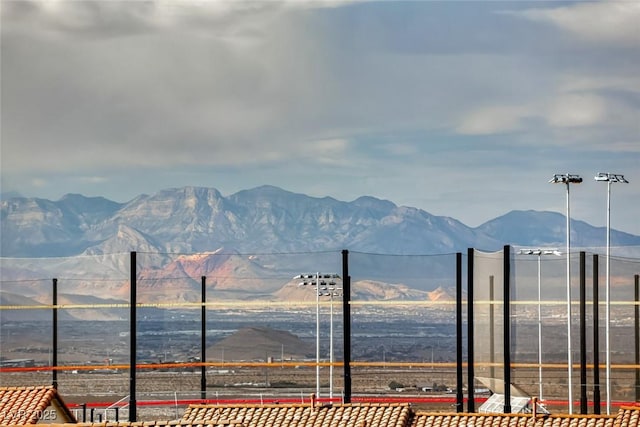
<point x="568" y="179"/>
<point x="565" y="178"/>
<point x="609" y="178"/>
<point x="540" y="252"/>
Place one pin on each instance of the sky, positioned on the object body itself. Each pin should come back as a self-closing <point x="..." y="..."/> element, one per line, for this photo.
<point x="461" y="108"/>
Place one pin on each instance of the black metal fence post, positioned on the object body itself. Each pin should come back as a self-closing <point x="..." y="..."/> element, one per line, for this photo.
<point x="203" y="340"/>
<point x="459" y="372"/>
<point x="506" y="324"/>
<point x="637" y="337"/>
<point x="583" y="334"/>
<point x="470" y="334"/>
<point x="132" y="337"/>
<point x="346" y="325"/>
<point x="596" y="337"/>
<point x="54" y="350"/>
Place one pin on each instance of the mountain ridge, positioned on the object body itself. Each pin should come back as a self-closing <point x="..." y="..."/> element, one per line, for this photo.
<point x="269" y="219"/>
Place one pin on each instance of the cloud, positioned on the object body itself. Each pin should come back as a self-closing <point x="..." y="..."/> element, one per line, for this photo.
<point x="401" y="149"/>
<point x="585" y="83"/>
<point x="493" y="119"/>
<point x="39" y="182"/>
<point x="329" y="151"/>
<point x="612" y="23"/>
<point x="158" y="97"/>
<point x="577" y="110"/>
<point x="93" y="179"/>
<point x="208" y="82"/>
<point x="106" y="18"/>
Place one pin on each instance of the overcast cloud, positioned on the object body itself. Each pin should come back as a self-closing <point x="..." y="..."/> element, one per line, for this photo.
<point x="464" y="109"/>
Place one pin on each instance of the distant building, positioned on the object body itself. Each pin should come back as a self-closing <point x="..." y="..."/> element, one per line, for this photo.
<point x="17" y="363"/>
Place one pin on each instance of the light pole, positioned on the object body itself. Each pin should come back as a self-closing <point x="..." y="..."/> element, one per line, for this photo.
<point x="432" y="365"/>
<point x="568" y="179"/>
<point x="313" y="279"/>
<point x="609" y="178"/>
<point x="539" y="253"/>
<point x="331" y="290"/>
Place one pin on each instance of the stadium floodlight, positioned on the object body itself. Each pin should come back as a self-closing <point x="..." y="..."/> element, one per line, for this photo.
<point x="317" y="280"/>
<point x="568" y="179"/>
<point x="565" y="178"/>
<point x="609" y="178"/>
<point x="539" y="253"/>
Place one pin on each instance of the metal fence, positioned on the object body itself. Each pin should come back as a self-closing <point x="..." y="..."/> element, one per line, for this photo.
<point x="239" y="324"/>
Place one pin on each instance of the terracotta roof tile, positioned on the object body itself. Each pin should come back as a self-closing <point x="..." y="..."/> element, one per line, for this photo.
<point x="517" y="420"/>
<point x="628" y="416"/>
<point x="355" y="415"/>
<point x="25" y="405"/>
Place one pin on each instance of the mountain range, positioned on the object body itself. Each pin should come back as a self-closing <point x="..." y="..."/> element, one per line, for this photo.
<point x="266" y="219"/>
<point x="249" y="244"/>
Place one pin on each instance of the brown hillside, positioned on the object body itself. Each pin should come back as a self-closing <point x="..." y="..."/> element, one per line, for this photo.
<point x="440" y="294"/>
<point x="260" y="343"/>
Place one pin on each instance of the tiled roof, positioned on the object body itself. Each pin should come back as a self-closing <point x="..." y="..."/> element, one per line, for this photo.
<point x="509" y="420"/>
<point x="27" y="405"/>
<point x="626" y="417"/>
<point x="354" y="415"/>
<point x="366" y="415"/>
